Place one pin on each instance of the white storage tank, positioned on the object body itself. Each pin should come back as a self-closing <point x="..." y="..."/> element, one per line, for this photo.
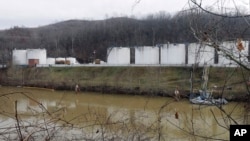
<point x="118" y="55"/>
<point x="200" y="54"/>
<point x="71" y="60"/>
<point x="228" y="46"/>
<point x="19" y="57"/>
<point x="37" y="56"/>
<point x="60" y="60"/>
<point x="51" y="61"/>
<point x="173" y="54"/>
<point x="245" y="53"/>
<point x="147" y="55"/>
<point x="231" y="48"/>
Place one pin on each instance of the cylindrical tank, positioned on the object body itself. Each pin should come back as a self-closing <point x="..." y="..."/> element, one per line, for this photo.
<point x="60" y="60"/>
<point x="231" y="48"/>
<point x="51" y="61"/>
<point x="200" y="54"/>
<point x="147" y="55"/>
<point x="37" y="54"/>
<point x="19" y="57"/>
<point x="118" y="55"/>
<point x="173" y="54"/>
<point x="71" y="60"/>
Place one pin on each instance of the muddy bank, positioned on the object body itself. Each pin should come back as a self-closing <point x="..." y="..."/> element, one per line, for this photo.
<point x="126" y="91"/>
<point x="99" y="88"/>
<point x="149" y="81"/>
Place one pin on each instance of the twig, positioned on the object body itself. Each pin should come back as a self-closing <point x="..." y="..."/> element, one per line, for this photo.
<point x="216" y="14"/>
<point x="217" y="120"/>
<point x="17" y="120"/>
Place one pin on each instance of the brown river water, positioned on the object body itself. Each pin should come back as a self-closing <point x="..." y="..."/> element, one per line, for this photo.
<point x="40" y="114"/>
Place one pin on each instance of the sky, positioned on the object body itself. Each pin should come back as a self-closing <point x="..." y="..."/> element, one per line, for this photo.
<point x="34" y="13"/>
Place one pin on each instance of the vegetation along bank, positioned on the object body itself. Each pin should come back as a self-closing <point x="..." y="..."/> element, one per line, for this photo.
<point x="231" y="83"/>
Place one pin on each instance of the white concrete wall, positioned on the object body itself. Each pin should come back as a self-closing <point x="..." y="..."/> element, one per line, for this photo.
<point x="40" y="54"/>
<point x="200" y="54"/>
<point x="147" y="55"/>
<point x="118" y="55"/>
<point x="173" y="54"/>
<point x="19" y="57"/>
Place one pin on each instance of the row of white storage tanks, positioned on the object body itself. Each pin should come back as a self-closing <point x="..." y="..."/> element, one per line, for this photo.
<point x="23" y="57"/>
<point x="178" y="54"/>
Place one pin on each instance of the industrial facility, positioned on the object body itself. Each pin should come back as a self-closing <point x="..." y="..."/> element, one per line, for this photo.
<point x="163" y="54"/>
<point x="31" y="57"/>
<point x="180" y="54"/>
<point x="38" y="57"/>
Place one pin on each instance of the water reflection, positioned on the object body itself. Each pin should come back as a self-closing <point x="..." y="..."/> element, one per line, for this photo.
<point x="97" y="116"/>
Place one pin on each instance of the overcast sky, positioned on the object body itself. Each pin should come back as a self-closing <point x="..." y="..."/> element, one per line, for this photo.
<point x="33" y="13"/>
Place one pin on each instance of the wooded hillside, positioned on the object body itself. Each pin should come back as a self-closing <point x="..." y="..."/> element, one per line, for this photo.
<point x="80" y="38"/>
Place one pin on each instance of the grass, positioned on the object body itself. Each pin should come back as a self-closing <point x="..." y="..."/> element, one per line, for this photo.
<point x="146" y="78"/>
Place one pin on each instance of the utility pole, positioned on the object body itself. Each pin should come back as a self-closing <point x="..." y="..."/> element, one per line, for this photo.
<point x="94" y="52"/>
<point x="72" y="45"/>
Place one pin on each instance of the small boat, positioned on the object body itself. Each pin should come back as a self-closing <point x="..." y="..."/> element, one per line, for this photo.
<point x="204" y="96"/>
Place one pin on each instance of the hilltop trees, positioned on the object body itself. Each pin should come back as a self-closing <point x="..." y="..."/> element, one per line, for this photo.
<point x="80" y="38"/>
<point x="227" y="23"/>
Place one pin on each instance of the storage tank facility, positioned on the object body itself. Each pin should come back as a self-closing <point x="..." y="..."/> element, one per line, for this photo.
<point x="147" y="55"/>
<point x="200" y="54"/>
<point x="51" y="61"/>
<point x="19" y="57"/>
<point x="118" y="55"/>
<point x="231" y="48"/>
<point x="173" y="54"/>
<point x="36" y="56"/>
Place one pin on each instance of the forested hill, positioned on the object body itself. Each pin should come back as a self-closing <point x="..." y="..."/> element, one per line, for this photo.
<point x="80" y="38"/>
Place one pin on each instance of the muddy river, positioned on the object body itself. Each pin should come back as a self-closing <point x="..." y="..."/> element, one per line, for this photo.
<point x="43" y="114"/>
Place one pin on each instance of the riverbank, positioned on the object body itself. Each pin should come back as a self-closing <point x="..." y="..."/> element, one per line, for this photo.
<point x="152" y="81"/>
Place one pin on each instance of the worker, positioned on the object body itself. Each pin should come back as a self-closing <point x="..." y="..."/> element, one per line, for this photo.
<point x="177" y="94"/>
<point x="77" y="88"/>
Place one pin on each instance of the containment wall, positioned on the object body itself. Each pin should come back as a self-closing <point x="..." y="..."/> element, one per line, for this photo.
<point x="147" y="55"/>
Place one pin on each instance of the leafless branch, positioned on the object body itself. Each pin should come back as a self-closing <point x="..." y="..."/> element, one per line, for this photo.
<point x="18" y="123"/>
<point x="216" y="14"/>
